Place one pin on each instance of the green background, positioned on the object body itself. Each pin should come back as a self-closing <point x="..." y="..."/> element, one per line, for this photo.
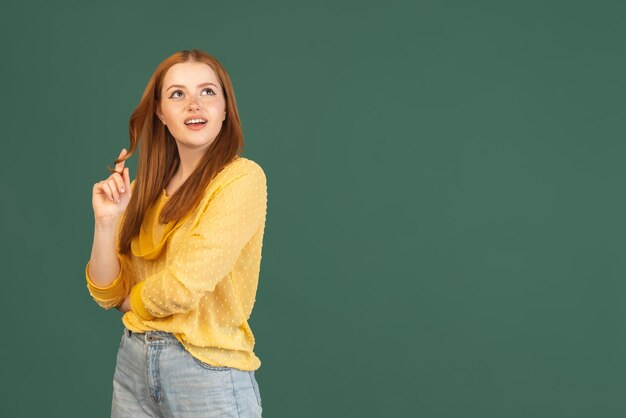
<point x="445" y="230"/>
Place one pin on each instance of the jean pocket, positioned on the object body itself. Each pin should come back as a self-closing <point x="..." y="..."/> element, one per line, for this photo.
<point x="255" y="386"/>
<point x="208" y="366"/>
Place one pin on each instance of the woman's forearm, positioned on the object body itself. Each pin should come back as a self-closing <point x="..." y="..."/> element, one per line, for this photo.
<point x="103" y="264"/>
<point x="110" y="198"/>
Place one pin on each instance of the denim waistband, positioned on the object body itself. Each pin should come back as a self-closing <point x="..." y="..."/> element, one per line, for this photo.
<point x="152" y="337"/>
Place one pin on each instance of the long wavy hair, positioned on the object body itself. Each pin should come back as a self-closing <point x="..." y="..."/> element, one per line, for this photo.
<point x="158" y="154"/>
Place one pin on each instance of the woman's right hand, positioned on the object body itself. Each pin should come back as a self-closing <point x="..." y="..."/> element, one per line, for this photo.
<point x="111" y="196"/>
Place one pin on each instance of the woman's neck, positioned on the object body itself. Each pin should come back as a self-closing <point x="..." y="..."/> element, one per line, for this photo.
<point x="189" y="159"/>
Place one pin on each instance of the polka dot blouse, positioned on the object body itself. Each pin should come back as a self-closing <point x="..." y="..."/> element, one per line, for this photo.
<point x="198" y="278"/>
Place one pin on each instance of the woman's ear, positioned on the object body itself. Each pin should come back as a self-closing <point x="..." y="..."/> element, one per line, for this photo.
<point x="159" y="114"/>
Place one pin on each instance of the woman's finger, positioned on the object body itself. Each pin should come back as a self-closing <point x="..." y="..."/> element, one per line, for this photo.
<point x="103" y="188"/>
<point x="109" y="191"/>
<point x="97" y="188"/>
<point x="127" y="178"/>
<point x="113" y="185"/>
<point x="120" y="166"/>
<point x="119" y="181"/>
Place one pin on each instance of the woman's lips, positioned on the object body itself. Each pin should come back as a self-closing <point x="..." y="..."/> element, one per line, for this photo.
<point x="195" y="126"/>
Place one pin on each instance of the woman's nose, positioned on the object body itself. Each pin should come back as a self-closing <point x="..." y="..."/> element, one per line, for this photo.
<point x="193" y="104"/>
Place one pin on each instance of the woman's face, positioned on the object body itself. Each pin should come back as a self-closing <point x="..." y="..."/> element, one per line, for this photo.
<point x="192" y="105"/>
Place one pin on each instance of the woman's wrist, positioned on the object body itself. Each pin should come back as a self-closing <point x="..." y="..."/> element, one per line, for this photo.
<point x="106" y="224"/>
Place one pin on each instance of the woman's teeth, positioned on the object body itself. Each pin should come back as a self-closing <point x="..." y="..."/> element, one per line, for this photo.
<point x="195" y="121"/>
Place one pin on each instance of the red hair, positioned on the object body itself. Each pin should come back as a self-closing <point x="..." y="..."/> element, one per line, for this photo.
<point x="158" y="154"/>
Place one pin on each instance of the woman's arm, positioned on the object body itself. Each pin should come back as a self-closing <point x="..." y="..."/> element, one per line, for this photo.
<point x="124" y="306"/>
<point x="230" y="220"/>
<point x="110" y="199"/>
<point x="104" y="266"/>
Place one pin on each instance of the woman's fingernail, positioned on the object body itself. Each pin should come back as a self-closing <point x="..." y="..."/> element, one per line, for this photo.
<point x="122" y="189"/>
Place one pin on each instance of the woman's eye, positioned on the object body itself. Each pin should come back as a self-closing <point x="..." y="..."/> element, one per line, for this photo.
<point x="209" y="91"/>
<point x="177" y="93"/>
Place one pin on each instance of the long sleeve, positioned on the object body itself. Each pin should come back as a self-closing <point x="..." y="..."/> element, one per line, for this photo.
<point x="113" y="294"/>
<point x="229" y="220"/>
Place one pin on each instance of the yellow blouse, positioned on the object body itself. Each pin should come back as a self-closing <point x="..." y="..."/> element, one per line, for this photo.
<point x="198" y="278"/>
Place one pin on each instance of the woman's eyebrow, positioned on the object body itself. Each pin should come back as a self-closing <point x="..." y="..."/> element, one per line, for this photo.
<point x="182" y="87"/>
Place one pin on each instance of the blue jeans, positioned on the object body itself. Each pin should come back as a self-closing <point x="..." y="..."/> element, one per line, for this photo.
<point x="156" y="377"/>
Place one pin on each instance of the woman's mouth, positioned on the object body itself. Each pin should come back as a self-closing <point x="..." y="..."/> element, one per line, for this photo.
<point x="195" y="124"/>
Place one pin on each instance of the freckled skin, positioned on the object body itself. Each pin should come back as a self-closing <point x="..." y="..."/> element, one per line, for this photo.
<point x="179" y="103"/>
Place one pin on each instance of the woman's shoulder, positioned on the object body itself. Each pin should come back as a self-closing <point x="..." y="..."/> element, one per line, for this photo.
<point x="241" y="172"/>
<point x="239" y="167"/>
<point x="246" y="164"/>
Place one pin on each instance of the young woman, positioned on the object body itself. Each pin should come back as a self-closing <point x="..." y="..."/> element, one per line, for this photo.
<point x="178" y="249"/>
